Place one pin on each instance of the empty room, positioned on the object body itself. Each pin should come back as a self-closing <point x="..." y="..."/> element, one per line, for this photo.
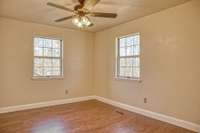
<point x="100" y="66"/>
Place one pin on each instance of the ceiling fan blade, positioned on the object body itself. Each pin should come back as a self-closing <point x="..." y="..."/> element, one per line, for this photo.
<point x="104" y="15"/>
<point x="91" y="25"/>
<point x="59" y="6"/>
<point x="63" y="19"/>
<point x="88" y="4"/>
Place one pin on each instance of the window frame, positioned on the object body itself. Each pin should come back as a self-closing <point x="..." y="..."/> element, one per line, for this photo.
<point x="118" y="57"/>
<point x="61" y="76"/>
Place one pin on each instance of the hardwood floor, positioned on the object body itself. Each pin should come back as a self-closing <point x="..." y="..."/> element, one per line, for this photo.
<point x="84" y="117"/>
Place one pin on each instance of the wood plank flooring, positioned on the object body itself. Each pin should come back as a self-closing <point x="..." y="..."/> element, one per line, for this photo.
<point x="83" y="117"/>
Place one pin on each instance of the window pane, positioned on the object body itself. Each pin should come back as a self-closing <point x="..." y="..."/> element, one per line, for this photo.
<point x="129" y="62"/>
<point x="47" y="63"/>
<point x="126" y="71"/>
<point x="122" y="42"/>
<point x="38" y="51"/>
<point x="122" y="62"/>
<point x="129" y="46"/>
<point x="47" y="43"/>
<point x="129" y="72"/>
<point x="47" y="71"/>
<point x="136" y="62"/>
<point x="56" y="44"/>
<point x="38" y="71"/>
<point x="129" y="41"/>
<point x="56" y="52"/>
<point x="122" y="51"/>
<point x="130" y="51"/>
<point x="122" y="71"/>
<point x="40" y="42"/>
<point x="47" y="47"/>
<point x="55" y="62"/>
<point x="36" y="42"/>
<point x="136" y="50"/>
<point x="38" y="62"/>
<point x="126" y="62"/>
<point x="56" y="71"/>
<point x="48" y="52"/>
<point x="137" y="40"/>
<point x="136" y="72"/>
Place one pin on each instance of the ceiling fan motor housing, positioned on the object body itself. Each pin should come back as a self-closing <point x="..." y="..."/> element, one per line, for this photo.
<point x="77" y="7"/>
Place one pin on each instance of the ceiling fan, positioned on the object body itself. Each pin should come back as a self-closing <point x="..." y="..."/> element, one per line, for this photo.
<point x="81" y="12"/>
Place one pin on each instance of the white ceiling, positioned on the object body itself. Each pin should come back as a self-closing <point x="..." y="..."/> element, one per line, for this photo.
<point x="37" y="11"/>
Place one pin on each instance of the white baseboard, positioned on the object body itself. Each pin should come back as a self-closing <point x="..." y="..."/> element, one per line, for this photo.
<point x="161" y="117"/>
<point x="44" y="104"/>
<point x="181" y="123"/>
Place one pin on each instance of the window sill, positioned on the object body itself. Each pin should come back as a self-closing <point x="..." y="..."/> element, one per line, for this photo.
<point x="128" y="79"/>
<point x="47" y="78"/>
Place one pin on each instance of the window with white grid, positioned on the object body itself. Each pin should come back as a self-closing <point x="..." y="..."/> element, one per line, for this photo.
<point x="128" y="57"/>
<point x="47" y="58"/>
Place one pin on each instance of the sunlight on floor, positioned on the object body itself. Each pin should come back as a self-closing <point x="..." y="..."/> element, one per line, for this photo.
<point x="50" y="126"/>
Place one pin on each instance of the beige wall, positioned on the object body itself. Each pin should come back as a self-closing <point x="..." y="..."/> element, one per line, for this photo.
<point x="16" y="85"/>
<point x="170" y="44"/>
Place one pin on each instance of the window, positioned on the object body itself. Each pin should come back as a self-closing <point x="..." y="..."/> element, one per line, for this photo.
<point x="47" y="58"/>
<point x="128" y="57"/>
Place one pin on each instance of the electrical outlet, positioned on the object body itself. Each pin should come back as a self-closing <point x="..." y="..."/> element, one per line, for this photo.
<point x="66" y="92"/>
<point x="145" y="100"/>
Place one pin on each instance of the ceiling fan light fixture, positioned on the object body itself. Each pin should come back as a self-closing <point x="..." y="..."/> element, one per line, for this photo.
<point x="81" y="21"/>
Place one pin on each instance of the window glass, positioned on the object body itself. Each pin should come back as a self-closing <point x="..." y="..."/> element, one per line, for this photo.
<point x="47" y="57"/>
<point x="128" y="59"/>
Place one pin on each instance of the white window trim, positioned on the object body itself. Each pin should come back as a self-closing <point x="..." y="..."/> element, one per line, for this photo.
<point x="62" y="59"/>
<point x="117" y="77"/>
